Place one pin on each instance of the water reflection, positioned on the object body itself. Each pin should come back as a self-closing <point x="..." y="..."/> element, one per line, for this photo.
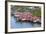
<point x="15" y="24"/>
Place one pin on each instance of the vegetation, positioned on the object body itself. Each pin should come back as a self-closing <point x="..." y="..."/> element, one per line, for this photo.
<point x="36" y="11"/>
<point x="21" y="8"/>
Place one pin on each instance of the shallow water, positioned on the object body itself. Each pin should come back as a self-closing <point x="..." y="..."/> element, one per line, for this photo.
<point x="15" y="24"/>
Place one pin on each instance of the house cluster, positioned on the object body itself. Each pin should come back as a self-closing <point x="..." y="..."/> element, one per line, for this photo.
<point x="27" y="16"/>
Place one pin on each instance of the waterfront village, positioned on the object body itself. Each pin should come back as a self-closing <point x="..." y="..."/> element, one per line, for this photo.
<point x="27" y="16"/>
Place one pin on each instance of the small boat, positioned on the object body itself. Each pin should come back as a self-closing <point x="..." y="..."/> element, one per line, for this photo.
<point x="37" y="21"/>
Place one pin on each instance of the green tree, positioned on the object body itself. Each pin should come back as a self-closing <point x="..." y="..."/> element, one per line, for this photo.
<point x="36" y="12"/>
